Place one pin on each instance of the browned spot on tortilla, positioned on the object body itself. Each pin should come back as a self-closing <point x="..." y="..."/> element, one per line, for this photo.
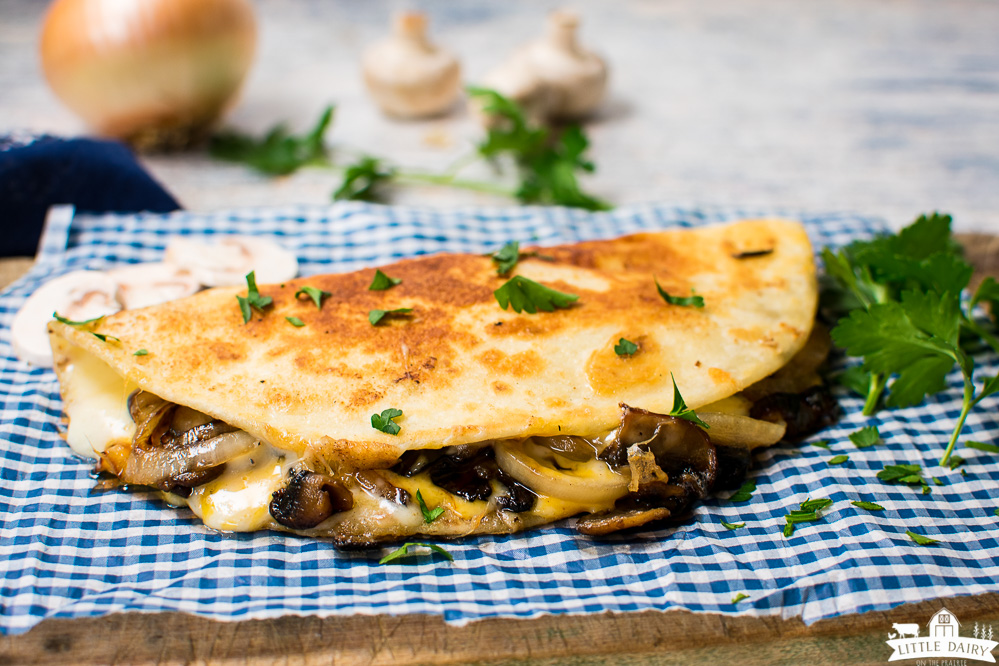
<point x="501" y="387"/>
<point x="521" y="364"/>
<point x="608" y="373"/>
<point x="364" y="397"/>
<point x="719" y="376"/>
<point x="225" y="351"/>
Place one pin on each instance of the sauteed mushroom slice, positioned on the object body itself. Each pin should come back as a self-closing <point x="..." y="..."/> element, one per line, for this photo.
<point x="804" y="413"/>
<point x="607" y="523"/>
<point x="378" y="486"/>
<point x="466" y="473"/>
<point x="308" y="500"/>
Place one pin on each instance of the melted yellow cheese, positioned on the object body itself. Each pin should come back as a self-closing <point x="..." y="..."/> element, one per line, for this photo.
<point x="96" y="403"/>
<point x="238" y="500"/>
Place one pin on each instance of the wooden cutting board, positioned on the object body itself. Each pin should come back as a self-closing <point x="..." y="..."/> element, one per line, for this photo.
<point x="675" y="637"/>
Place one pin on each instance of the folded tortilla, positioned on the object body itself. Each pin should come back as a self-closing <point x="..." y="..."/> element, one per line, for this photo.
<point x="462" y="370"/>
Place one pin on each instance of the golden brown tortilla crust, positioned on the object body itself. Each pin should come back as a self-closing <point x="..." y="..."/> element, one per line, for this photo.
<point x="460" y="368"/>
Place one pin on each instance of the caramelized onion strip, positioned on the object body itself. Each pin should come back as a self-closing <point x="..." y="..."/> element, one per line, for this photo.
<point x="594" y="482"/>
<point x="743" y="431"/>
<point x="149" y="467"/>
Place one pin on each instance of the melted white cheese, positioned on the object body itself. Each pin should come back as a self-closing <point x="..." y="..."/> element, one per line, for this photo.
<point x="96" y="403"/>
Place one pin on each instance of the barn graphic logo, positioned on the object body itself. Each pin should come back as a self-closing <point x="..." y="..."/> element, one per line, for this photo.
<point x="943" y="639"/>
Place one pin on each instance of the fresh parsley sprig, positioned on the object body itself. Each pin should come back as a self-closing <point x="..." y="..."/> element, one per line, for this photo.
<point x="86" y="324"/>
<point x="899" y="299"/>
<point x="253" y="299"/>
<point x="375" y="316"/>
<point x="279" y="152"/>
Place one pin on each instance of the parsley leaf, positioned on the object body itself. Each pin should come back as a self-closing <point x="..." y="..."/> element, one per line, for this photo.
<point x="839" y="460"/>
<point x="77" y="324"/>
<point x="739" y="597"/>
<point x="86" y="323"/>
<point x="317" y="295"/>
<point x="869" y="506"/>
<point x="982" y="446"/>
<point x="732" y="526"/>
<point x="404" y="550"/>
<point x="385" y="422"/>
<point x="680" y="409"/>
<point x="865" y="437"/>
<point x="375" y="316"/>
<point x="506" y="258"/>
<point x="278" y="152"/>
<point x="547" y="162"/>
<point x="625" y="347"/>
<point x="381" y="282"/>
<point x="685" y="301"/>
<point x="807" y="512"/>
<point x="909" y="474"/>
<point x="920" y="539"/>
<point x="140" y="352"/>
<point x="364" y="180"/>
<point x="744" y="493"/>
<point x="822" y="443"/>
<point x="253" y="299"/>
<point x="523" y="294"/>
<point x="295" y="321"/>
<point x="429" y="515"/>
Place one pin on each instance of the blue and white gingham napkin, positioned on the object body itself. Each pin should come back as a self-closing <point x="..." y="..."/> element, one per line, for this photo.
<point x="66" y="552"/>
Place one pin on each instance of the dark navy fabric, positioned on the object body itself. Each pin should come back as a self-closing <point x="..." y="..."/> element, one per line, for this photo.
<point x="67" y="552"/>
<point x="93" y="175"/>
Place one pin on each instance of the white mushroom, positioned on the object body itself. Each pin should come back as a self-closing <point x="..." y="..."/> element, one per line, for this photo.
<point x="407" y="75"/>
<point x="227" y="262"/>
<point x="553" y="78"/>
<point x="77" y="296"/>
<point x="142" y="285"/>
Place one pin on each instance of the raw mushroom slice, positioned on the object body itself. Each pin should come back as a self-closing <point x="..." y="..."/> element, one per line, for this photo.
<point x="78" y="296"/>
<point x="226" y="263"/>
<point x="143" y="285"/>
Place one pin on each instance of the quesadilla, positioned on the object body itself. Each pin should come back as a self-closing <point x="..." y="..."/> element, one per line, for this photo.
<point x="429" y="401"/>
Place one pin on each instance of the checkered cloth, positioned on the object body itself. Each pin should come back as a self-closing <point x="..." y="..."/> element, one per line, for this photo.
<point x="67" y="552"/>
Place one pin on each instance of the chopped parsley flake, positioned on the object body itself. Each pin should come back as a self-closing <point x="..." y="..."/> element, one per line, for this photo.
<point x="404" y="550"/>
<point x="838" y="460"/>
<point x="523" y="294"/>
<point x="381" y="282"/>
<point x="85" y="324"/>
<point x="625" y="347"/>
<point x="375" y="316"/>
<point x="732" y="526"/>
<point x="739" y="597"/>
<point x="253" y="299"/>
<point x="506" y="258"/>
<point x="920" y="539"/>
<point x="317" y="295"/>
<point x="907" y="474"/>
<point x="694" y="301"/>
<point x="865" y="437"/>
<point x="429" y="515"/>
<point x="680" y="409"/>
<point x="385" y="422"/>
<point x="295" y="321"/>
<point x="869" y="506"/>
<point x="744" y="493"/>
<point x="808" y="512"/>
<point x="140" y="352"/>
<point x="822" y="443"/>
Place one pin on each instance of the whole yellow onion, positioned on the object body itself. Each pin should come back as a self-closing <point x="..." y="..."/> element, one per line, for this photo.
<point x="156" y="73"/>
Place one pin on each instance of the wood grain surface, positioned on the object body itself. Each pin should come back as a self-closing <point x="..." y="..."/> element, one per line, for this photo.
<point x="675" y="637"/>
